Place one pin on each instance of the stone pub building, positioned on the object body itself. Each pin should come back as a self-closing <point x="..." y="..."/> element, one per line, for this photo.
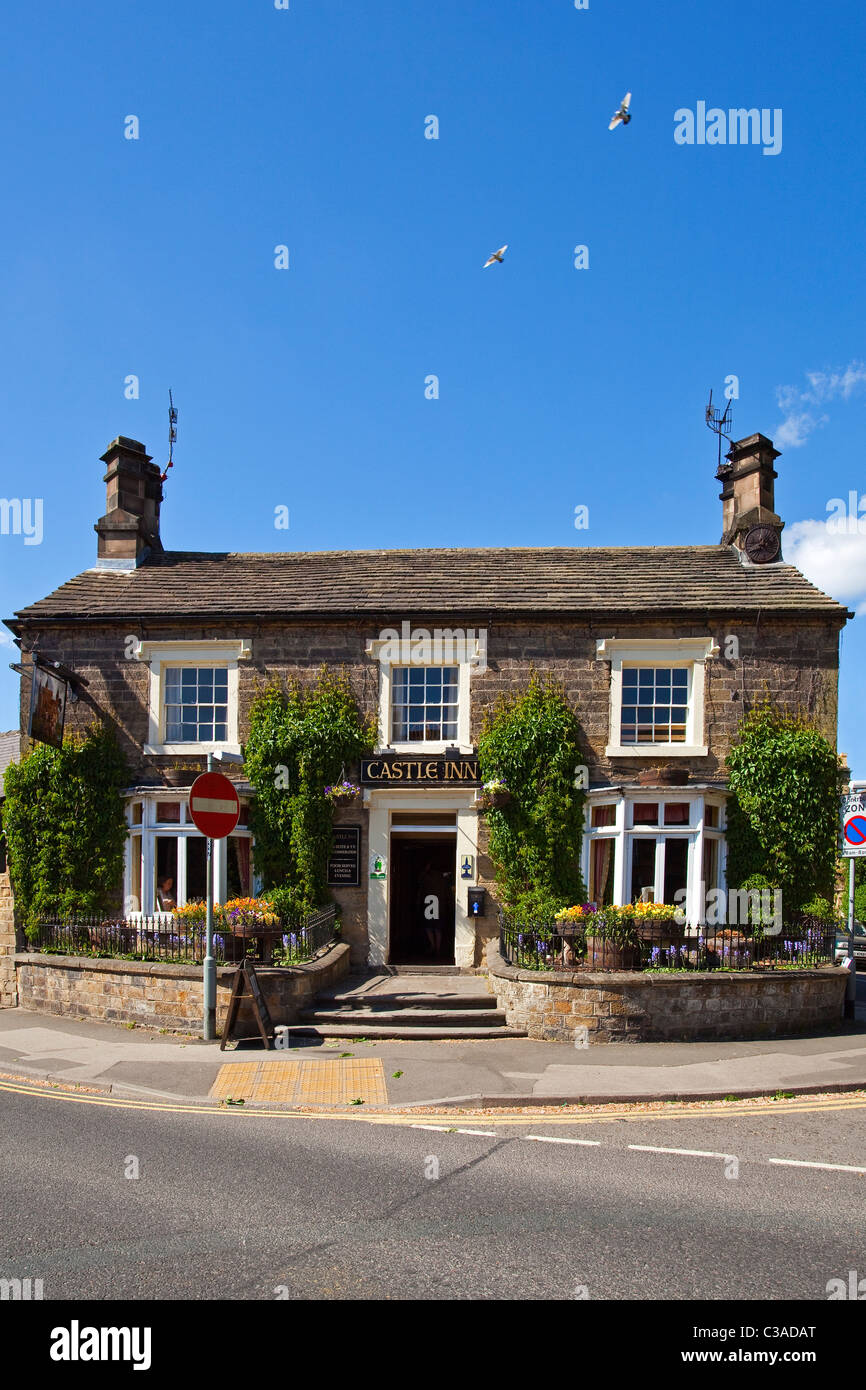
<point x="661" y="649"/>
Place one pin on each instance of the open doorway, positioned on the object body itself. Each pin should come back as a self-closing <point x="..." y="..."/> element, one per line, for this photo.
<point x="422" y="883"/>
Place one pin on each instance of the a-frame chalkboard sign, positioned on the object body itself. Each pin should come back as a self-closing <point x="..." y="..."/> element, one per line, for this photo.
<point x="246" y="983"/>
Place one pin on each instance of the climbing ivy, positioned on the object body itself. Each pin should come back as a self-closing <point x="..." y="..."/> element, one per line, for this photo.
<point x="65" y="825"/>
<point x="531" y="742"/>
<point x="300" y="740"/>
<point x="783" y="809"/>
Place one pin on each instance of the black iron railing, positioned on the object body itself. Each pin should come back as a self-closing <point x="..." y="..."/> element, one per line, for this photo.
<point x="661" y="946"/>
<point x="164" y="937"/>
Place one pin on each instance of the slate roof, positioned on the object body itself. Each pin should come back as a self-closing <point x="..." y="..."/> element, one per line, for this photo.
<point x="519" y="581"/>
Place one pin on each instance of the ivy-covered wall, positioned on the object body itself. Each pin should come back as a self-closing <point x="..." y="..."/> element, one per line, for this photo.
<point x="301" y="740"/>
<point x="531" y="742"/>
<point x="783" y="812"/>
<point x="65" y="825"/>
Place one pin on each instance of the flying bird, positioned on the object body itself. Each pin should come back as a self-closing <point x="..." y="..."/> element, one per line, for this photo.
<point x="622" y="117"/>
<point x="497" y="256"/>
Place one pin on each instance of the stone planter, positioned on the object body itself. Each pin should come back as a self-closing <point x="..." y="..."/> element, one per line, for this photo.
<point x="602" y="954"/>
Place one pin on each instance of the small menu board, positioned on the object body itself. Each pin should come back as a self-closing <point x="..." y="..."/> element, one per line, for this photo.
<point x="344" y="865"/>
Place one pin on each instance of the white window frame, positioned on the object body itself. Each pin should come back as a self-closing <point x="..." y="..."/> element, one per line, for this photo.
<point x="683" y="652"/>
<point x="624" y="833"/>
<point x="465" y="655"/>
<point x="148" y="830"/>
<point x="161" y="655"/>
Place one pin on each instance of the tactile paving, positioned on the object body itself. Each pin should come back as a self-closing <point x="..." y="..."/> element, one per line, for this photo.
<point x="292" y="1081"/>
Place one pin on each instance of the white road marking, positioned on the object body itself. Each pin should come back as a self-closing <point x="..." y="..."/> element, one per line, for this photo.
<point x="553" y="1139"/>
<point x="830" y="1167"/>
<point x="686" y="1153"/>
<point x="649" y="1149"/>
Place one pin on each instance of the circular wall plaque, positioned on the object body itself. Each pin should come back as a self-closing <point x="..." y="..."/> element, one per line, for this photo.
<point x="763" y="545"/>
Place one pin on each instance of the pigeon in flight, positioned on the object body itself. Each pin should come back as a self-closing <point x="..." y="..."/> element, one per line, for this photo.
<point x="497" y="256"/>
<point x="622" y="117"/>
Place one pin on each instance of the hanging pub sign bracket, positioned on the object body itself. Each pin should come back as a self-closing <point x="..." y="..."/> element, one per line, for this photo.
<point x="246" y="985"/>
<point x="54" y="668"/>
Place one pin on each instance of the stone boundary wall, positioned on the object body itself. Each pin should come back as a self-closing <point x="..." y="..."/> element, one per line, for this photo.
<point x="621" y="1006"/>
<point x="159" y="995"/>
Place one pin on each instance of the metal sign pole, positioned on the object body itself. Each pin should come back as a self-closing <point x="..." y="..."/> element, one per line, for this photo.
<point x="853" y="803"/>
<point x="209" y="979"/>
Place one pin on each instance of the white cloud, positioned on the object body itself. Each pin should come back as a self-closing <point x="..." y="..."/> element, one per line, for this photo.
<point x="796" y="428"/>
<point x="799" y="417"/>
<point x="835" y="562"/>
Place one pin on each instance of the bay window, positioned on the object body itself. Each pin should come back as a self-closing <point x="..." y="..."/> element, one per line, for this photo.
<point x="166" y="857"/>
<point x="659" y="846"/>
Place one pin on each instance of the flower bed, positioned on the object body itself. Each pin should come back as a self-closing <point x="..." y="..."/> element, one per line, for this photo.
<point x="648" y="937"/>
<point x="242" y="926"/>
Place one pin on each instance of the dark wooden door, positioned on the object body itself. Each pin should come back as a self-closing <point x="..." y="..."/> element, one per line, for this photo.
<point x="422" y="900"/>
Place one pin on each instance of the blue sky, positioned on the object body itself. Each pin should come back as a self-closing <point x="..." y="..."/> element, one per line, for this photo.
<point x="305" y="388"/>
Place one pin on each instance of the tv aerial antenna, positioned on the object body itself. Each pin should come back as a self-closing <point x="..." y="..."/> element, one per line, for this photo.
<point x="721" y="423"/>
<point x="172" y="436"/>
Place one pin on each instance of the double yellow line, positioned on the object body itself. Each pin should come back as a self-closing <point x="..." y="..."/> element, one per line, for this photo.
<point x="713" y="1110"/>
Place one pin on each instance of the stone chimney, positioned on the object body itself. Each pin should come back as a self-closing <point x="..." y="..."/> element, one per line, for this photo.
<point x="749" y="519"/>
<point x="129" y="531"/>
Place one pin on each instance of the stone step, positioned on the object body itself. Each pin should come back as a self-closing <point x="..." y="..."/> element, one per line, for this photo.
<point x="389" y="1002"/>
<point x="407" y="1018"/>
<point x="465" y="970"/>
<point x="398" y="1031"/>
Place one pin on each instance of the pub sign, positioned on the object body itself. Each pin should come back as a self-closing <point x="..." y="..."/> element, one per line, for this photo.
<point x="407" y="770"/>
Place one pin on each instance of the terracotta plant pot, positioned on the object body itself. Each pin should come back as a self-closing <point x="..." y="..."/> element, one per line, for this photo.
<point x="663" y="777"/>
<point x="602" y="954"/>
<point x="178" y="776"/>
<point x="664" y="933"/>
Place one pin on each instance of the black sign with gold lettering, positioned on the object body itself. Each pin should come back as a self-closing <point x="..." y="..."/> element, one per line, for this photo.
<point x="407" y="770"/>
<point x="344" y="864"/>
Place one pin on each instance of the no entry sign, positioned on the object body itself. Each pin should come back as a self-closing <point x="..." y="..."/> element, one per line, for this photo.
<point x="854" y="826"/>
<point x="214" y="805"/>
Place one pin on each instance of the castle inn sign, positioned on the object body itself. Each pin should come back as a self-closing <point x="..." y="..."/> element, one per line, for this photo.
<point x="439" y="771"/>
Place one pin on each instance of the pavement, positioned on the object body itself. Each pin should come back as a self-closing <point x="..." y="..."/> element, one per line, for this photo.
<point x="513" y="1071"/>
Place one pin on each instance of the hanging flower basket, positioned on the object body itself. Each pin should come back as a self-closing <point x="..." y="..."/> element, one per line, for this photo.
<point x="342" y="793"/>
<point x="494" y="796"/>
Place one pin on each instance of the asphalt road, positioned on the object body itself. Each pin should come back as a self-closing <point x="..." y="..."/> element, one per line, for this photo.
<point x="236" y="1206"/>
